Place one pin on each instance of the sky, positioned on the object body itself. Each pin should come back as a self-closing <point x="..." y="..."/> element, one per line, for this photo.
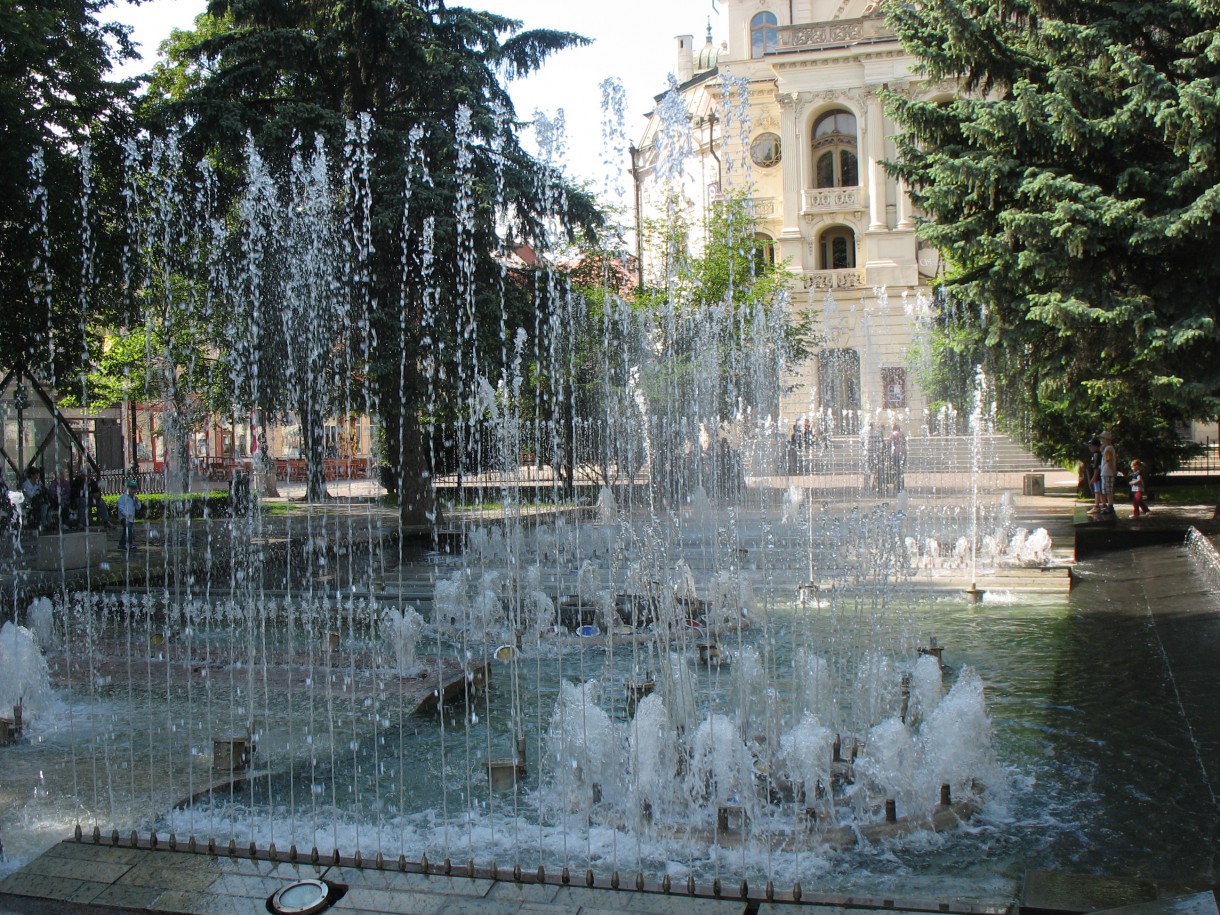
<point x="634" y="41"/>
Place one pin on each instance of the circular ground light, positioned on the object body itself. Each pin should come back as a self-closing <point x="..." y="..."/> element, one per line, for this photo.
<point x="301" y="898"/>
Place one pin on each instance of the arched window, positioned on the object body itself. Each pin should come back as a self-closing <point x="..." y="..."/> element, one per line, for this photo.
<point x="764" y="251"/>
<point x="837" y="249"/>
<point x="763" y="36"/>
<point x="835" y="159"/>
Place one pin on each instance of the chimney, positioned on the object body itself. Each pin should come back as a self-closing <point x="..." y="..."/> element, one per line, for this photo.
<point x="686" y="59"/>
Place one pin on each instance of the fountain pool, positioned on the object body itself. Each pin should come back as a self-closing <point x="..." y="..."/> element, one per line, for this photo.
<point x="611" y="780"/>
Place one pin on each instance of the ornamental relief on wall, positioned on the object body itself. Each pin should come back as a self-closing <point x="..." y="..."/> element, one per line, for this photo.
<point x="852" y="278"/>
<point x="823" y="33"/>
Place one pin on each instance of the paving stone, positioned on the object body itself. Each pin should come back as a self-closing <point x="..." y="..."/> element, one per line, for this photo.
<point x="38" y="885"/>
<point x="598" y="900"/>
<point x="24" y="883"/>
<point x="408" y="882"/>
<point x="165" y="878"/>
<point x="1192" y="904"/>
<point x="185" y="902"/>
<point x="249" y="886"/>
<point x="124" y="896"/>
<point x="258" y="867"/>
<point x="373" y="879"/>
<point x="206" y="904"/>
<point x="87" y="851"/>
<point x="509" y="892"/>
<point x="77" y="869"/>
<point x="501" y="907"/>
<point x="643" y="904"/>
<point x="368" y="899"/>
<point x="86" y="891"/>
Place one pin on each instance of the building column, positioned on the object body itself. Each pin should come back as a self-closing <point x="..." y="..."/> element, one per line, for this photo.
<point x="793" y="159"/>
<point x="874" y="142"/>
<point x="906" y="218"/>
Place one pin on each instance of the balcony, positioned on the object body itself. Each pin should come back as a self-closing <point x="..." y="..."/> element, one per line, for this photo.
<point x="832" y="199"/>
<point x="760" y="207"/>
<point x="810" y="36"/>
<point x="851" y="278"/>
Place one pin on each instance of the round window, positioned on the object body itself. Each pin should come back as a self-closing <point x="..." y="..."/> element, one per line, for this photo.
<point x="764" y="151"/>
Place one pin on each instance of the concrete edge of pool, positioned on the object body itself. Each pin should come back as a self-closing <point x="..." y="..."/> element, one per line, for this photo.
<point x="87" y="877"/>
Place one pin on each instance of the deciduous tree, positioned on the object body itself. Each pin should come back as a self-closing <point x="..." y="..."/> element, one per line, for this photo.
<point x="59" y="115"/>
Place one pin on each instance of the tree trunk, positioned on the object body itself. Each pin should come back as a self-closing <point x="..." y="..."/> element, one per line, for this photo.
<point x="313" y="444"/>
<point x="418" y="506"/>
<point x="177" y="446"/>
<point x="266" y="468"/>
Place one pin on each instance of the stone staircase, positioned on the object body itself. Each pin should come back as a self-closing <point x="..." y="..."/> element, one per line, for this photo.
<point x="998" y="453"/>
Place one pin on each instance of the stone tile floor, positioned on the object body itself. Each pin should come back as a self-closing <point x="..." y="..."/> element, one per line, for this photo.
<point x="84" y="877"/>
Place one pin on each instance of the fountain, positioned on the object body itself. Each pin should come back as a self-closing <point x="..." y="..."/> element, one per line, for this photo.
<point x="683" y="670"/>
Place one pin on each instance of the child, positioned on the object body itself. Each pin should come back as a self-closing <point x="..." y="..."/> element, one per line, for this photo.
<point x="1094" y="474"/>
<point x="129" y="504"/>
<point x="1137" y="489"/>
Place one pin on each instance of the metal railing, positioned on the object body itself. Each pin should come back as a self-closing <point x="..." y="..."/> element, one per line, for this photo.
<point x="113" y="482"/>
<point x="1207" y="463"/>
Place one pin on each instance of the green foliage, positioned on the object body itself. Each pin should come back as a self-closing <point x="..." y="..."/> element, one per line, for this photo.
<point x="1073" y="186"/>
<point x="731" y="290"/>
<point x="56" y="102"/>
<point x="944" y="358"/>
<point x="447" y="178"/>
<point x="717" y="333"/>
<point x="156" y="506"/>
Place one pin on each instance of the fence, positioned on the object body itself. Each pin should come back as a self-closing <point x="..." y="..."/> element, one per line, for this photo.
<point x="1207" y="463"/>
<point x="288" y="470"/>
<point x="113" y="482"/>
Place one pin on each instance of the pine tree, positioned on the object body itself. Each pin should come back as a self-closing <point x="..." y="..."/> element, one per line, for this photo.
<point x="1069" y="172"/>
<point x="422" y="72"/>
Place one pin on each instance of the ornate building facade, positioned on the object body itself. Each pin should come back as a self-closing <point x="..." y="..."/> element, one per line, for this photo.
<point x="787" y="109"/>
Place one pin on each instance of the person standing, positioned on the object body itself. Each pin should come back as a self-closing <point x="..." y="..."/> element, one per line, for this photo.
<point x="1138" y="491"/>
<point x="1109" y="470"/>
<point x="37" y="499"/>
<point x="88" y="493"/>
<point x="898" y="454"/>
<point x="1094" y="474"/>
<point x="129" y="504"/>
<point x="61" y="490"/>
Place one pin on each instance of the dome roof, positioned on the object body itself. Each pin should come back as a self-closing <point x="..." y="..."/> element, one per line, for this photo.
<point x="708" y="55"/>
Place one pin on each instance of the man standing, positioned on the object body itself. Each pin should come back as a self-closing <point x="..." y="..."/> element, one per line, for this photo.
<point x="129" y="504"/>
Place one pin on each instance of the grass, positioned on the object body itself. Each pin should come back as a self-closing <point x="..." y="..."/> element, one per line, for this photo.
<point x="1186" y="494"/>
<point x="447" y="505"/>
